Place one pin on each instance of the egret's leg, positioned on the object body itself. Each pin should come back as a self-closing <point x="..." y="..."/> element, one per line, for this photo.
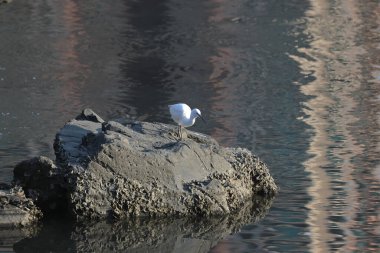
<point x="179" y="131"/>
<point x="180" y="136"/>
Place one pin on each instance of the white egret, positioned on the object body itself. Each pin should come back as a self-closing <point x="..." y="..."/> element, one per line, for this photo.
<point x="184" y="116"/>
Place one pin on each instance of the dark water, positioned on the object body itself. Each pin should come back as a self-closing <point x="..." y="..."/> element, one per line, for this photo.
<point x="297" y="82"/>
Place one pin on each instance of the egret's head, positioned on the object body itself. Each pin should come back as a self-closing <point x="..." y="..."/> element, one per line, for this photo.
<point x="197" y="114"/>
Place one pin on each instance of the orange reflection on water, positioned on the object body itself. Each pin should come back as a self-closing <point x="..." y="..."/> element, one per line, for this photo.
<point x="73" y="73"/>
<point x="70" y="58"/>
<point x="221" y="67"/>
<point x="319" y="190"/>
<point x="335" y="61"/>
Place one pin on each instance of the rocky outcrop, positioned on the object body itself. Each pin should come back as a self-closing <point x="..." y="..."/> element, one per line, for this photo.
<point x="117" y="169"/>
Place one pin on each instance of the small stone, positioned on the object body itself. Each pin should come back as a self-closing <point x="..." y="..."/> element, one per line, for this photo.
<point x="90" y="115"/>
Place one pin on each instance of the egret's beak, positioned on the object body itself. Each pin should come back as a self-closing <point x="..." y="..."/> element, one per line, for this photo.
<point x="200" y="116"/>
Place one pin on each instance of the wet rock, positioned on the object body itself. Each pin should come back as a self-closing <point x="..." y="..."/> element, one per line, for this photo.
<point x="109" y="169"/>
<point x="42" y="182"/>
<point x="15" y="209"/>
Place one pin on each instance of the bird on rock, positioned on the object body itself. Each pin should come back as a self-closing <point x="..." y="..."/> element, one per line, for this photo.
<point x="184" y="116"/>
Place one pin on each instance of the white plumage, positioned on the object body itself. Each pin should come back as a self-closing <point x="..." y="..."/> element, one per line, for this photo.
<point x="184" y="116"/>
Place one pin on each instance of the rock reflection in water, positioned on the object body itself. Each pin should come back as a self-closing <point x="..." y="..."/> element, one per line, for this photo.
<point x="10" y="236"/>
<point x="142" y="235"/>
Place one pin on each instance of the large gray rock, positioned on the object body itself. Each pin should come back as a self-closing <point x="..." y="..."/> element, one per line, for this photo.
<point x="140" y="169"/>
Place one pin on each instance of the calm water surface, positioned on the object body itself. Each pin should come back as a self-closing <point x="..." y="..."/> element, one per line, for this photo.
<point x="297" y="82"/>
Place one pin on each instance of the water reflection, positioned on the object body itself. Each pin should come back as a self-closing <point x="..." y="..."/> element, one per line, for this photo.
<point x="140" y="235"/>
<point x="336" y="113"/>
<point x="258" y="107"/>
<point x="145" y="75"/>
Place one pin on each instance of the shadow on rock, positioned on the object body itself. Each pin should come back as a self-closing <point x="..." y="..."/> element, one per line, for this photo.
<point x="142" y="234"/>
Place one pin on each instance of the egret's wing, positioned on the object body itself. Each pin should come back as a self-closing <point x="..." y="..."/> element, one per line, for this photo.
<point x="179" y="112"/>
<point x="176" y="111"/>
